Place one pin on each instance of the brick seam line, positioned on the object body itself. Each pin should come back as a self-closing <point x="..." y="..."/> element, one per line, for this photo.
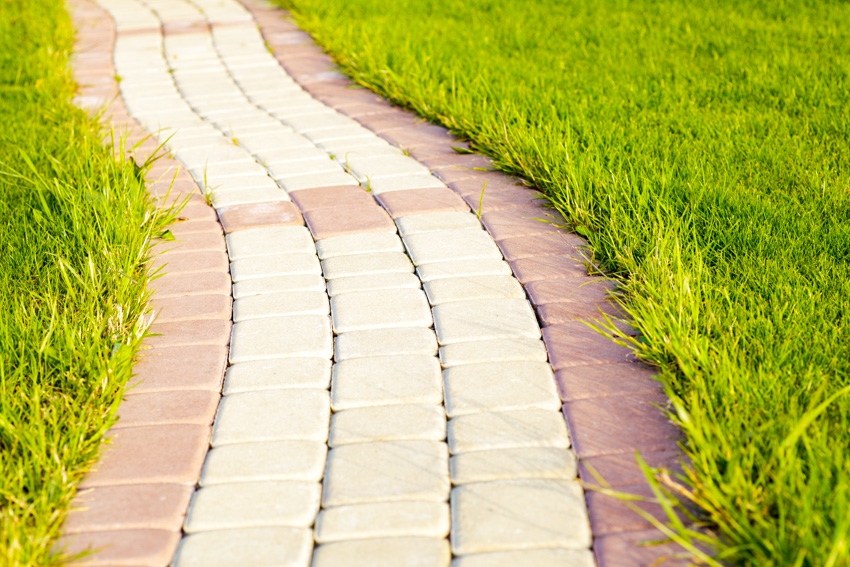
<point x="599" y="390"/>
<point x="133" y="502"/>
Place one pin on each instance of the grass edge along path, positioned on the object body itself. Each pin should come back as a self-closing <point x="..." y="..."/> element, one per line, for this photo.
<point x="702" y="152"/>
<point x="76" y="230"/>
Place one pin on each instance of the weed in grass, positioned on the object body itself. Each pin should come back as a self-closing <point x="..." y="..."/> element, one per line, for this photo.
<point x="702" y="151"/>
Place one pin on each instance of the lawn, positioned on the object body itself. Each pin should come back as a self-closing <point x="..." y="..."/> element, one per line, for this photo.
<point x="702" y="148"/>
<point x="75" y="228"/>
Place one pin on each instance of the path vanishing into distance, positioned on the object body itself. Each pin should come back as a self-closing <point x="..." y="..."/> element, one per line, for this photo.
<point x="369" y="350"/>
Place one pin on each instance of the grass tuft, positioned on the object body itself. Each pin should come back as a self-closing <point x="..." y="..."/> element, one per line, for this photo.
<point x="75" y="229"/>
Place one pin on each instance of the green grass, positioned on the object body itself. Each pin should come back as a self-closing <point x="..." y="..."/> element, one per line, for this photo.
<point x="703" y="151"/>
<point x="74" y="232"/>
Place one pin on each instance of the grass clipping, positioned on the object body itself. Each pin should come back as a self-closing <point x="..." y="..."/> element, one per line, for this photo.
<point x="75" y="229"/>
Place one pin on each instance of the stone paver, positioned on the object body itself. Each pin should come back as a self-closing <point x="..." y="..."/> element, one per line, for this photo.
<point x="387" y="471"/>
<point x="281" y="337"/>
<point x="265" y="461"/>
<point x="272" y="415"/>
<point x="485" y="319"/>
<point x="373" y="282"/>
<point x="279" y="373"/>
<point x="494" y="350"/>
<point x="274" y="546"/>
<point x="506" y="430"/>
<point x="281" y="304"/>
<point x="518" y="462"/>
<point x="388" y="309"/>
<point x="388" y="423"/>
<point x="473" y="287"/>
<point x="383" y="519"/>
<point x="383" y="380"/>
<point x="486" y="517"/>
<point x="361" y="243"/>
<point x="379" y="552"/>
<point x="385" y="342"/>
<point x="500" y="386"/>
<point x="366" y="264"/>
<point x="253" y="504"/>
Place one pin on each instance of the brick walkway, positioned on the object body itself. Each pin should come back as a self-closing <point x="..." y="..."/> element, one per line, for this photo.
<point x="382" y="392"/>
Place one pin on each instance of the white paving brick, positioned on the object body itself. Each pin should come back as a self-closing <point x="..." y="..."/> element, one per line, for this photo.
<point x="384" y="380"/>
<point x="380" y="552"/>
<point x="366" y="264"/>
<point x="365" y="243"/>
<point x="277" y="374"/>
<point x="448" y="290"/>
<point x="221" y="199"/>
<point x="313" y="180"/>
<point x="507" y="429"/>
<point x="253" y="504"/>
<point x="277" y="265"/>
<point x="388" y="423"/>
<point x="258" y="547"/>
<point x="269" y="241"/>
<point x="281" y="337"/>
<point x="388" y="471"/>
<point x="287" y="169"/>
<point x="485" y="319"/>
<point x="494" y="350"/>
<point x="231" y="169"/>
<point x="383" y="164"/>
<point x="500" y="386"/>
<point x="267" y="461"/>
<point x="463" y="268"/>
<point x="513" y="463"/>
<point x="272" y="415"/>
<point x="384" y="342"/>
<point x="443" y="246"/>
<point x="386" y="184"/>
<point x="485" y="516"/>
<point x="431" y="222"/>
<point x="278" y="284"/>
<point x="532" y="557"/>
<point x="380" y="310"/>
<point x="373" y="282"/>
<point x="383" y="519"/>
<point x="281" y="304"/>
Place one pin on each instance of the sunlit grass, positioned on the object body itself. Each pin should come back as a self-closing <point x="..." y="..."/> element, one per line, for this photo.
<point x="75" y="227"/>
<point x="703" y="151"/>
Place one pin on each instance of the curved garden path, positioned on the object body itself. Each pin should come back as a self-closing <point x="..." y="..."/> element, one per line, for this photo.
<point x="357" y="360"/>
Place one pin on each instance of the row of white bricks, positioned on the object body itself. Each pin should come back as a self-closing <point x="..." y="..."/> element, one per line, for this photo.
<point x="467" y="346"/>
